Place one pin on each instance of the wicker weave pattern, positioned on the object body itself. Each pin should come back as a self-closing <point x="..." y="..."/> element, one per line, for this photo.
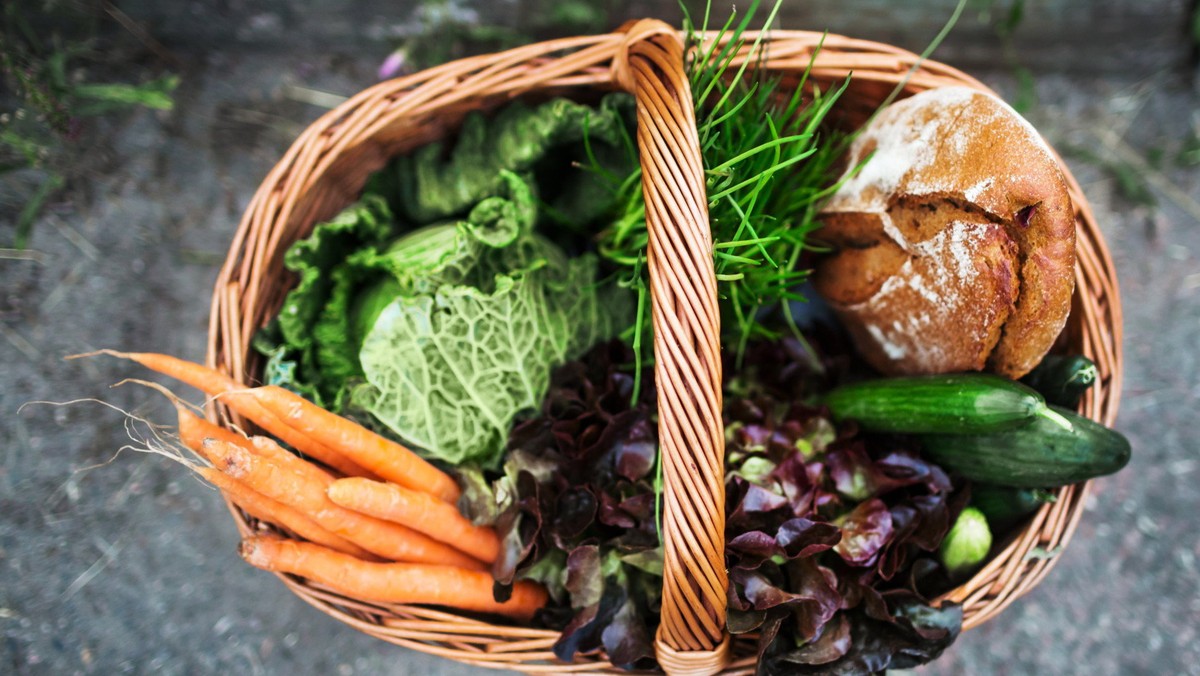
<point x="327" y="166"/>
<point x="683" y="289"/>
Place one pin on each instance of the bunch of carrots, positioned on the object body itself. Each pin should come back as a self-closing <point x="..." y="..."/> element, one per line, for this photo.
<point x="387" y="529"/>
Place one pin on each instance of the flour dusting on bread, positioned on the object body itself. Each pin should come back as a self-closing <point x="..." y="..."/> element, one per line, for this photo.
<point x="939" y="285"/>
<point x="901" y="144"/>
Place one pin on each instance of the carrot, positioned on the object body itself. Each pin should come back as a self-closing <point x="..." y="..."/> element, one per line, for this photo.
<point x="216" y="384"/>
<point x="392" y="582"/>
<point x="265" y="509"/>
<point x="306" y="492"/>
<point x="419" y="511"/>
<point x="384" y="457"/>
<point x="267" y="447"/>
<point x="193" y="430"/>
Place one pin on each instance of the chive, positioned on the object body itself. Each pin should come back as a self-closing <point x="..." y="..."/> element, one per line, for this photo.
<point x="768" y="161"/>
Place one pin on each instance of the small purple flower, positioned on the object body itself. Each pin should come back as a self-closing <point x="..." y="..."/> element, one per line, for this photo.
<point x="393" y="65"/>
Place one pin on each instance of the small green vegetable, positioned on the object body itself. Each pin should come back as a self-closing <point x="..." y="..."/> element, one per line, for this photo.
<point x="1005" y="506"/>
<point x="962" y="403"/>
<point x="1063" y="379"/>
<point x="967" y="543"/>
<point x="1042" y="453"/>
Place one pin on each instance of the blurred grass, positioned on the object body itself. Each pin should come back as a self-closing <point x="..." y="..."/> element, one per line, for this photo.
<point x="1005" y="18"/>
<point x="54" y="92"/>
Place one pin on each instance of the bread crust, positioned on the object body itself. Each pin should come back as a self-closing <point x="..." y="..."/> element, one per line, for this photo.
<point x="955" y="243"/>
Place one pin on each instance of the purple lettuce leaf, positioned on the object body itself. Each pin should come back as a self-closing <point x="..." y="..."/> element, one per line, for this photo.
<point x="750" y="506"/>
<point x="627" y="639"/>
<point x="573" y="512"/>
<point x="802" y="538"/>
<point x="832" y="644"/>
<point x="636" y="451"/>
<point x="858" y="477"/>
<point x="585" y="582"/>
<point x="807" y="591"/>
<point x="611" y="609"/>
<point x="801" y="483"/>
<point x="519" y="528"/>
<point x="865" y="532"/>
<point x="919" y="634"/>
<point x="752" y="548"/>
<point x="585" y="630"/>
<point x="613" y="512"/>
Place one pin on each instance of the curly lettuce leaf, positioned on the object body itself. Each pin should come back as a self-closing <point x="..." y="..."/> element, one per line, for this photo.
<point x="436" y="183"/>
<point x="310" y="347"/>
<point x="495" y="238"/>
<point x="358" y="288"/>
<point x="368" y="222"/>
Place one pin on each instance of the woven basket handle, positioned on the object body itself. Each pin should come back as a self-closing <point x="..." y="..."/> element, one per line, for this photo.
<point x="683" y="289"/>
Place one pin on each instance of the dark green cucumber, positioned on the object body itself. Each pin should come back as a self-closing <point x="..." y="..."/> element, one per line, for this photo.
<point x="1004" y="506"/>
<point x="959" y="403"/>
<point x="1045" y="452"/>
<point x="1063" y="379"/>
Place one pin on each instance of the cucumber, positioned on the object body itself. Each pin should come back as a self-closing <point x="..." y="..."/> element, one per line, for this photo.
<point x="1004" y="506"/>
<point x="961" y="403"/>
<point x="1063" y="379"/>
<point x="1044" y="452"/>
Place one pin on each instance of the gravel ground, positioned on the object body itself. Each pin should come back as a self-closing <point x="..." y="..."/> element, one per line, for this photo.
<point x="122" y="564"/>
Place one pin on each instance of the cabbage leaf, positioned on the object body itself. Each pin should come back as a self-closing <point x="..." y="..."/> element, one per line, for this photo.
<point x="449" y="370"/>
<point x="433" y="309"/>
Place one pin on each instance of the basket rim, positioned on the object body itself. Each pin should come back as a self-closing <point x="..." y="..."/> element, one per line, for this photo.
<point x="579" y="63"/>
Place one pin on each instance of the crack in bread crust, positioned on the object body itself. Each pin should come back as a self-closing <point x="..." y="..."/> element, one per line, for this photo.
<point x="954" y="272"/>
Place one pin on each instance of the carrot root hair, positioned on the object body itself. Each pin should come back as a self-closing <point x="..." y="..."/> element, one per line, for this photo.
<point x="175" y="399"/>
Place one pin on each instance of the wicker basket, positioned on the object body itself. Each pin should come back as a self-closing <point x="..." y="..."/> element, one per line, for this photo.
<point x="326" y="168"/>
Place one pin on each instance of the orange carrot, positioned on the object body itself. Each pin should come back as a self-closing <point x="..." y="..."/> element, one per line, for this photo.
<point x="193" y="430"/>
<point x="265" y="509"/>
<point x="392" y="582"/>
<point x="234" y="394"/>
<point x="384" y="457"/>
<point x="306" y="493"/>
<point x="268" y="448"/>
<point x="419" y="511"/>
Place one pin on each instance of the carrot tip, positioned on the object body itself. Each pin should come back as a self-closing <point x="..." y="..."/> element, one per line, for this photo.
<point x="96" y="353"/>
<point x="230" y="459"/>
<point x="248" y="550"/>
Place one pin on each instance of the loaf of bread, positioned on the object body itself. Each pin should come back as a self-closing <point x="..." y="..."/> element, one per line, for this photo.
<point x="953" y="248"/>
